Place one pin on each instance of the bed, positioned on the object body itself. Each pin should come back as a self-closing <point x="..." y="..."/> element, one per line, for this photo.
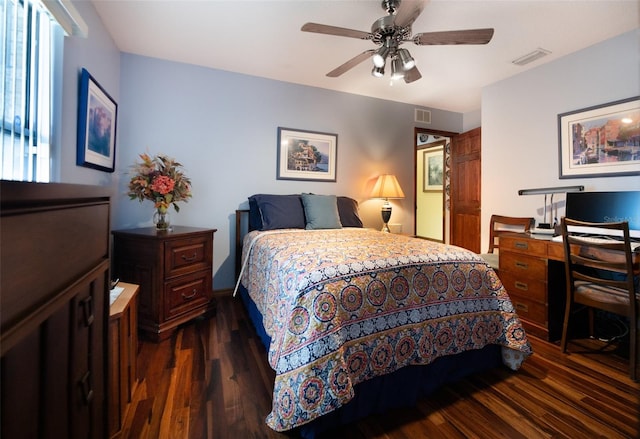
<point x="357" y="321"/>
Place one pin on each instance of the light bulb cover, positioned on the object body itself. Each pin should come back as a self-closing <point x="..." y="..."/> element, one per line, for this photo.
<point x="378" y="72"/>
<point x="407" y="61"/>
<point x="380" y="57"/>
<point x="396" y="69"/>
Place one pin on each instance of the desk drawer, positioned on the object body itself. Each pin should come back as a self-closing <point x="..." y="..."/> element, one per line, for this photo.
<point x="531" y="289"/>
<point x="524" y="245"/>
<point x="521" y="265"/>
<point x="529" y="310"/>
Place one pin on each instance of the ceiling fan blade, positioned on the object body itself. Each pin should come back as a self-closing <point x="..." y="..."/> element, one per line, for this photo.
<point x="470" y="36"/>
<point x="350" y="64"/>
<point x="408" y="11"/>
<point x="335" y="30"/>
<point x="412" y="75"/>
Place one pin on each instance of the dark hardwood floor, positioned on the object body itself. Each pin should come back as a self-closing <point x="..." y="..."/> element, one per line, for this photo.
<point x="212" y="380"/>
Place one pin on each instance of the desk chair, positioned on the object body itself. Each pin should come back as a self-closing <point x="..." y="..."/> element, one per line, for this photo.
<point x="500" y="224"/>
<point x="601" y="274"/>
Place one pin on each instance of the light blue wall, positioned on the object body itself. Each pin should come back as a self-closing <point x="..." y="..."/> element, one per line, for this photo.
<point x="223" y="128"/>
<point x="520" y="127"/>
<point x="100" y="56"/>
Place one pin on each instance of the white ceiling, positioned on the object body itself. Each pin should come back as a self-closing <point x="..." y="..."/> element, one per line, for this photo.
<point x="263" y="38"/>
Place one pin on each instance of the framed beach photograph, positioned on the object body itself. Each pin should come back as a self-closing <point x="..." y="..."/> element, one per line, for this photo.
<point x="97" y="118"/>
<point x="306" y="155"/>
<point x="433" y="169"/>
<point x="600" y="141"/>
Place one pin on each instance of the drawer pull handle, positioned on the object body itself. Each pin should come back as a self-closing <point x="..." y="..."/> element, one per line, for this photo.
<point x="522" y="307"/>
<point x="522" y="286"/>
<point x="87" y="310"/>
<point x="521" y="245"/>
<point x="190" y="258"/>
<point x="522" y="265"/>
<point x="85" y="386"/>
<point x="190" y="296"/>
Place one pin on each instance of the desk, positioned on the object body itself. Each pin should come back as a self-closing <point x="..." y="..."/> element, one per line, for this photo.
<point x="532" y="271"/>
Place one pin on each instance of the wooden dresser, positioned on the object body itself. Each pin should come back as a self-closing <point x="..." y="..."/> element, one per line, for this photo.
<point x="532" y="271"/>
<point x="174" y="271"/>
<point x="54" y="296"/>
<point x="123" y="349"/>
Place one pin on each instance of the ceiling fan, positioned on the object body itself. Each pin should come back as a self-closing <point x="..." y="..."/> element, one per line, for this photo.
<point x="391" y="31"/>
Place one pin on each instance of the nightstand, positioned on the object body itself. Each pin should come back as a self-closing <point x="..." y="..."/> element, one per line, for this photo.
<point x="174" y="271"/>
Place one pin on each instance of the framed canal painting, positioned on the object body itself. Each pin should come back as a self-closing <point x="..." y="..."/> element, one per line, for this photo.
<point x="600" y="141"/>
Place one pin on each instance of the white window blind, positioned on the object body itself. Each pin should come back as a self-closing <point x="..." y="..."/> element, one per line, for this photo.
<point x="27" y="56"/>
<point x="26" y="91"/>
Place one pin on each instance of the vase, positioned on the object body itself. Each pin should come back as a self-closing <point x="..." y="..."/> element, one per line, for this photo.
<point x="162" y="220"/>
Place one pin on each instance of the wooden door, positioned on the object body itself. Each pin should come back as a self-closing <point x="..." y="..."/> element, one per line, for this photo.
<point x="465" y="190"/>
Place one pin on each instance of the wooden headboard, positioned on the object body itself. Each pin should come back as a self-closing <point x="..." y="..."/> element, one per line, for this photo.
<point x="240" y="232"/>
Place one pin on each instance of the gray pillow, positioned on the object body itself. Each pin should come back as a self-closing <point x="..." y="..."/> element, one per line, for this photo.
<point x="321" y="211"/>
<point x="348" y="210"/>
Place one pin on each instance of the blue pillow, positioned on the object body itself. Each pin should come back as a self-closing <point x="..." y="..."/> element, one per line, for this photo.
<point x="255" y="218"/>
<point x="348" y="210"/>
<point x="321" y="211"/>
<point x="278" y="211"/>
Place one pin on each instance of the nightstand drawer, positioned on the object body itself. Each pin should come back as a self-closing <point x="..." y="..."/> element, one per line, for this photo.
<point x="523" y="266"/>
<point x="185" y="256"/>
<point x="531" y="289"/>
<point x="186" y="292"/>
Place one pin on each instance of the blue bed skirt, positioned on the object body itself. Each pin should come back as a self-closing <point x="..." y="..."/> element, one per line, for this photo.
<point x="402" y="388"/>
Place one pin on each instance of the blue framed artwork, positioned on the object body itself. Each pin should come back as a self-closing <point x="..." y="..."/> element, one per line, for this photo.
<point x="97" y="119"/>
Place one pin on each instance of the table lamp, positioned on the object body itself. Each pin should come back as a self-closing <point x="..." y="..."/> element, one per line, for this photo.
<point x="386" y="187"/>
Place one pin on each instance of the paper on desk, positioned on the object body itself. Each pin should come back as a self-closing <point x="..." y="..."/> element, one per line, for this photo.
<point x="114" y="293"/>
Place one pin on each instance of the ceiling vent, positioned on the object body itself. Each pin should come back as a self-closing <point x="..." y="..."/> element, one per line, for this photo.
<point x="531" y="57"/>
<point x="422" y="116"/>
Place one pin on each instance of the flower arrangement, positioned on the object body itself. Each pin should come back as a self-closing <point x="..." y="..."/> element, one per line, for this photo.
<point x="159" y="179"/>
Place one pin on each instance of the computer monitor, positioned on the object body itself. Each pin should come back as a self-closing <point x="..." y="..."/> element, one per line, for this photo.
<point x="598" y="207"/>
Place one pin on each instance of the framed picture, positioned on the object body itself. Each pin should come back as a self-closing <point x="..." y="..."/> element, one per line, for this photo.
<point x="97" y="117"/>
<point x="600" y="141"/>
<point x="433" y="169"/>
<point x="306" y="155"/>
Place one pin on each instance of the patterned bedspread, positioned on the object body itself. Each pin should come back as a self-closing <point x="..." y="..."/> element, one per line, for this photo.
<point x="342" y="306"/>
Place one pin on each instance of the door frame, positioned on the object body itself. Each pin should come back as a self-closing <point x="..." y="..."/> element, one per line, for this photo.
<point x="451" y="135"/>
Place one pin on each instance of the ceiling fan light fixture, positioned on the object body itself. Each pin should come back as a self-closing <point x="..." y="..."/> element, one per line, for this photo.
<point x="380" y="57"/>
<point x="378" y="72"/>
<point x="396" y="69"/>
<point x="407" y="61"/>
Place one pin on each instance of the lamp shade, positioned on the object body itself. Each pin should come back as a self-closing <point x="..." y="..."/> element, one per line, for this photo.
<point x="386" y="187"/>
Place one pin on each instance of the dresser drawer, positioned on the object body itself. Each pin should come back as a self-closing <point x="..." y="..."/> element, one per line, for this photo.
<point x="523" y="266"/>
<point x="529" y="310"/>
<point x="524" y="245"/>
<point x="187" y="255"/>
<point x="531" y="289"/>
<point x="187" y="292"/>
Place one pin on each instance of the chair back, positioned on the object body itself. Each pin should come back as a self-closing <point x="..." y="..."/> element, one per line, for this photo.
<point x="500" y="224"/>
<point x="598" y="260"/>
<point x="601" y="274"/>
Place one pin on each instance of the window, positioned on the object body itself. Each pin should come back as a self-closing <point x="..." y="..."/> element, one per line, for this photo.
<point x="26" y="88"/>
<point x="27" y="56"/>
